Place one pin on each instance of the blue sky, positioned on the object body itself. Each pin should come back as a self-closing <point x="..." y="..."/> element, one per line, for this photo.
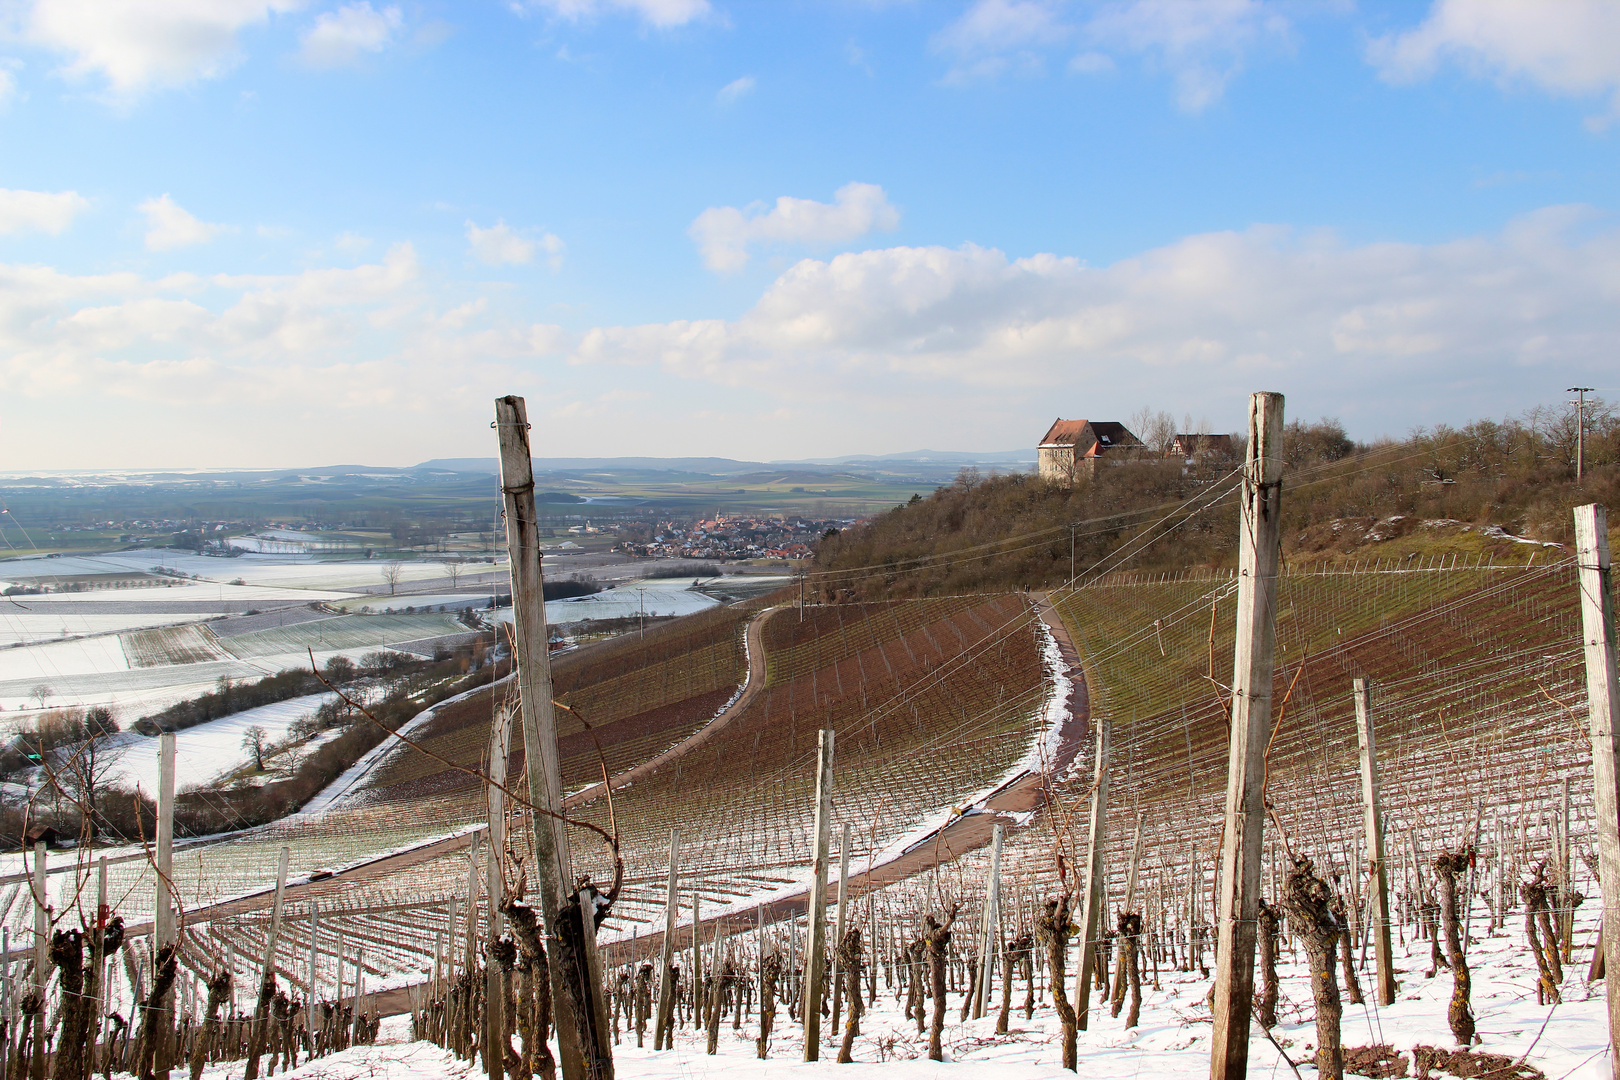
<point x="295" y="232"/>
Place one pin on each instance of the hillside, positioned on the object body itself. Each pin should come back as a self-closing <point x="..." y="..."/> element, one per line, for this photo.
<point x="1477" y="491"/>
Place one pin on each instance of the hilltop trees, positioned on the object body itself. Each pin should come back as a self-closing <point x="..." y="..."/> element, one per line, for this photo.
<point x="1017" y="531"/>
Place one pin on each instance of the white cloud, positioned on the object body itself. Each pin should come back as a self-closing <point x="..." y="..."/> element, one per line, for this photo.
<point x="1570" y="48"/>
<point x="137" y="44"/>
<point x="41" y="211"/>
<point x="500" y="245"/>
<point x="735" y="89"/>
<point x="1202" y="45"/>
<point x="660" y="13"/>
<point x="725" y="233"/>
<point x="169" y="225"/>
<point x="8" y="86"/>
<point x="1458" y="325"/>
<point x="340" y="37"/>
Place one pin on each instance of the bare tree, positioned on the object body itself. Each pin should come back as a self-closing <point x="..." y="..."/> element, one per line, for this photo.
<point x="86" y="768"/>
<point x="452" y="570"/>
<point x="1156" y="429"/>
<point x="40" y="692"/>
<point x="255" y="739"/>
<point x="390" y="574"/>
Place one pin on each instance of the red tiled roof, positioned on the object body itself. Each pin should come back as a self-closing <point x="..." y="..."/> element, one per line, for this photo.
<point x="1064" y="433"/>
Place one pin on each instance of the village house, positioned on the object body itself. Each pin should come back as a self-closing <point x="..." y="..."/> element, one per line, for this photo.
<point x="1194" y="447"/>
<point x="1072" y="448"/>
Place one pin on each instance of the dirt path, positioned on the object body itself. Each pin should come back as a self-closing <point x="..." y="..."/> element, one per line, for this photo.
<point x="753" y="684"/>
<point x="963" y="833"/>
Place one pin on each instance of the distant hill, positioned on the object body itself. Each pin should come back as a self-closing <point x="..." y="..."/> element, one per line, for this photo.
<point x="929" y="460"/>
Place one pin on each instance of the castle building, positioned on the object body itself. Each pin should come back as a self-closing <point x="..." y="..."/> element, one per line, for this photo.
<point x="1072" y="448"/>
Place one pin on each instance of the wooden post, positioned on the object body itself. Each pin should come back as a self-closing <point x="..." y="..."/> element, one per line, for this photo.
<point x="42" y="969"/>
<point x="815" y="949"/>
<point x="1259" y="533"/>
<point x="500" y="738"/>
<point x="665" y="1028"/>
<point x="1603" y="709"/>
<point x="163" y="912"/>
<point x="1091" y="911"/>
<point x="583" y="1040"/>
<point x="696" y="974"/>
<point x="1136" y="862"/>
<point x="838" y="934"/>
<point x="310" y="996"/>
<point x="1373" y="822"/>
<point x="988" y="928"/>
<point x="261" y="1012"/>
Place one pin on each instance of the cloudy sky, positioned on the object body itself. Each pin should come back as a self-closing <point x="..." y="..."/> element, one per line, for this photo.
<point x="300" y="232"/>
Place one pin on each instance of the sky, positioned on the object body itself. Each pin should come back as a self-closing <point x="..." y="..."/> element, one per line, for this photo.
<point x="290" y="233"/>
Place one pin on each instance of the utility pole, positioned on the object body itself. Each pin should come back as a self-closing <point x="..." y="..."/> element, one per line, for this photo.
<point x="1373" y="822"/>
<point x="1580" y="428"/>
<point x="1259" y="536"/>
<point x="815" y="960"/>
<point x="584" y="1042"/>
<point x="1603" y="710"/>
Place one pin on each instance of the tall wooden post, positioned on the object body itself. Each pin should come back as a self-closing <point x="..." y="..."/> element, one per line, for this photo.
<point x="1238" y="908"/>
<point x="838" y="933"/>
<point x="664" y="1029"/>
<point x="988" y="927"/>
<point x="1373" y="822"/>
<point x="1603" y="710"/>
<point x="500" y="740"/>
<point x="163" y="912"/>
<point x="42" y="957"/>
<point x="310" y="995"/>
<point x="584" y="1041"/>
<point x="815" y="959"/>
<point x="696" y="974"/>
<point x="261" y="1013"/>
<point x="1092" y="910"/>
<point x="1136" y="863"/>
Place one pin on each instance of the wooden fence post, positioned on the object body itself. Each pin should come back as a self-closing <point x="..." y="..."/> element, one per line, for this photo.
<point x="500" y="741"/>
<point x="664" y="1029"/>
<point x="815" y="960"/>
<point x="1091" y="911"/>
<point x="163" y="913"/>
<point x="1259" y="535"/>
<point x="1373" y="821"/>
<point x="1603" y="705"/>
<point x="838" y="932"/>
<point x="583" y="1040"/>
<point x="989" y="929"/>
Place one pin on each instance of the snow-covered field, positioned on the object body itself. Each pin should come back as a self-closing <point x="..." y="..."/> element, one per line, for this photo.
<point x="1564" y="1041"/>
<point x="660" y="598"/>
<point x="208" y="750"/>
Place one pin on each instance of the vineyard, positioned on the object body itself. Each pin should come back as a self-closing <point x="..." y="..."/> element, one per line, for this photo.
<point x="936" y="704"/>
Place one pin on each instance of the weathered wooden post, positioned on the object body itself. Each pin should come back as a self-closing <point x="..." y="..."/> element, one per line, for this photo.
<point x="1091" y="915"/>
<point x="1603" y="710"/>
<point x="815" y="960"/>
<point x="584" y="1042"/>
<point x="1259" y="535"/>
<point x="838" y="933"/>
<point x="267" y="972"/>
<point x="989" y="923"/>
<point x="500" y="740"/>
<point x="163" y="913"/>
<point x="1373" y="821"/>
<point x="664" y="1029"/>
<point x="42" y="958"/>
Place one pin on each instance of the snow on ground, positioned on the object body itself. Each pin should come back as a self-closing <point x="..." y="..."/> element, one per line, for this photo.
<point x="43" y="624"/>
<point x="278" y="573"/>
<point x="209" y="750"/>
<point x="1173" y="1040"/>
<point x="625" y="601"/>
<point x="450" y="601"/>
